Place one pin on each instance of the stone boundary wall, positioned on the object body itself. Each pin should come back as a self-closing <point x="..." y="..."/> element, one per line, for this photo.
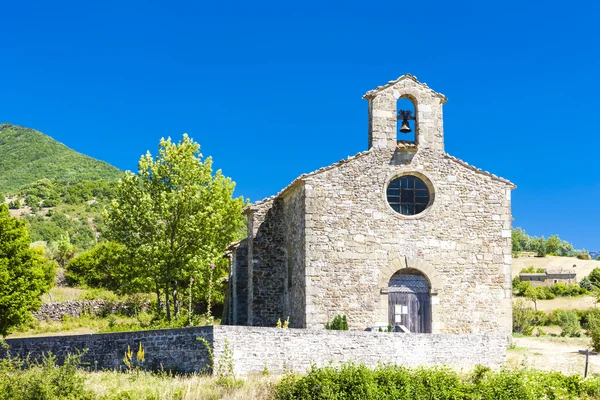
<point x="76" y="308"/>
<point x="255" y="348"/>
<point x="171" y="349"/>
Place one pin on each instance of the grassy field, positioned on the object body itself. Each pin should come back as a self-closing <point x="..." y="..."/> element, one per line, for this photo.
<point x="582" y="267"/>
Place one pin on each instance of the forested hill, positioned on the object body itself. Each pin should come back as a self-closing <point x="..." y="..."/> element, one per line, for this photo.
<point x="27" y="155"/>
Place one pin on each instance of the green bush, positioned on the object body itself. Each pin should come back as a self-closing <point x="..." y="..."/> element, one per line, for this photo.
<point x="42" y="380"/>
<point x="568" y="320"/>
<point x="352" y="381"/>
<point x="339" y="323"/>
<point x="524" y="318"/>
<point x="595" y="335"/>
<point x="594" y="277"/>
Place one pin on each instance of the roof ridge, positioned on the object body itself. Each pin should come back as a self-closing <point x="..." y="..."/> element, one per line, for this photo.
<point x="309" y="174"/>
<point x="371" y="93"/>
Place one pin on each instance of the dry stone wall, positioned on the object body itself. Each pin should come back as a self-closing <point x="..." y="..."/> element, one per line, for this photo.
<point x="277" y="350"/>
<point x="57" y="310"/>
<point x="255" y="348"/>
<point x="169" y="349"/>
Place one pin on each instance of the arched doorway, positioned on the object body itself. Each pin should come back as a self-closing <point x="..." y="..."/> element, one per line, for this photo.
<point x="409" y="297"/>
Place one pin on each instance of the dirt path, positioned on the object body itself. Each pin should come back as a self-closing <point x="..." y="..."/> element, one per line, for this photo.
<point x="552" y="353"/>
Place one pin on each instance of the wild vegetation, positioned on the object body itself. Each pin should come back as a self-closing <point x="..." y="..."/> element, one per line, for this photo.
<point x="24" y="273"/>
<point x="27" y="156"/>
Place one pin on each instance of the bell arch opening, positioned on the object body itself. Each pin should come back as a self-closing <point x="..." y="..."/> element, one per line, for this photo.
<point x="406" y="126"/>
<point x="409" y="300"/>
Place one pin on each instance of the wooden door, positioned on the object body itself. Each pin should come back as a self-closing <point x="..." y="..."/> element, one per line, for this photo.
<point x="410" y="302"/>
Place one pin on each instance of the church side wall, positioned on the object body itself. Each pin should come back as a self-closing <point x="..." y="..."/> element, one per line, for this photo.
<point x="267" y="274"/>
<point x="295" y="298"/>
<point x="355" y="242"/>
<point x="239" y="285"/>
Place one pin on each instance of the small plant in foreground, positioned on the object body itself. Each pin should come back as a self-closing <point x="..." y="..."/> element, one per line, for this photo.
<point x="130" y="362"/>
<point x="339" y="323"/>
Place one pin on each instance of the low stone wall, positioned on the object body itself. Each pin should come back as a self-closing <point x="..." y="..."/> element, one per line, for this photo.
<point x="56" y="311"/>
<point x="169" y="349"/>
<point x="255" y="348"/>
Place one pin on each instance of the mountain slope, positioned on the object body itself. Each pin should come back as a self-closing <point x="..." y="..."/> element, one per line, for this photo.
<point x="27" y="155"/>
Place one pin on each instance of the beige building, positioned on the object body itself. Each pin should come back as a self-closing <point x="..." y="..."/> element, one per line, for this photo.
<point x="549" y="277"/>
<point x="402" y="234"/>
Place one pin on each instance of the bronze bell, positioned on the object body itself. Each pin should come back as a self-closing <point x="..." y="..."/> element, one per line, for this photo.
<point x="405" y="128"/>
<point x="405" y="115"/>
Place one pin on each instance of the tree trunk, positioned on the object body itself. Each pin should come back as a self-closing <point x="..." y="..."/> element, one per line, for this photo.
<point x="175" y="302"/>
<point x="167" y="303"/>
<point x="158" y="303"/>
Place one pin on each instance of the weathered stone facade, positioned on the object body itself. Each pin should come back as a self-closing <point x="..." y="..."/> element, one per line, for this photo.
<point x="330" y="242"/>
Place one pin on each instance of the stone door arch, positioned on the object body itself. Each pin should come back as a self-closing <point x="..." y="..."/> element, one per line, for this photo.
<point x="409" y="298"/>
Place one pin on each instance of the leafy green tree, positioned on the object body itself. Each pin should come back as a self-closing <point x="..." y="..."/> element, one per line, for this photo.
<point x="101" y="266"/>
<point x="24" y="273"/>
<point x="539" y="246"/>
<point x="64" y="250"/>
<point x="594" y="277"/>
<point x="521" y="241"/>
<point x="587" y="284"/>
<point x="174" y="217"/>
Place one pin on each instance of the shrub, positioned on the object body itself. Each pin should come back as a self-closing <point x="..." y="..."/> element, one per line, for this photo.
<point x="42" y="380"/>
<point x="353" y="381"/>
<point x="569" y="322"/>
<point x="595" y="334"/>
<point x="594" y="277"/>
<point x="587" y="284"/>
<point x="590" y="319"/>
<point x="524" y="318"/>
<point x="532" y="270"/>
<point x="339" y="323"/>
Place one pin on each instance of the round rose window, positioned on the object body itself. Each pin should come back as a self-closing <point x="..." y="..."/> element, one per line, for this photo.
<point x="408" y="195"/>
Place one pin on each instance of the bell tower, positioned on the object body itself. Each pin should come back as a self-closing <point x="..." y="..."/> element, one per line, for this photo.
<point x="386" y="120"/>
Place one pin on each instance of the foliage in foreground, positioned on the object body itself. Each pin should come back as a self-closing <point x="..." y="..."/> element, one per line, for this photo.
<point x="42" y="380"/>
<point x="352" y="381"/>
<point x="24" y="273"/>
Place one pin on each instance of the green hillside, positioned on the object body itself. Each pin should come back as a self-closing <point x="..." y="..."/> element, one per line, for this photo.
<point x="27" y="155"/>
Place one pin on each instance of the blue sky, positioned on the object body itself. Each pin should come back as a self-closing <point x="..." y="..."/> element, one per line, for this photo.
<point x="273" y="90"/>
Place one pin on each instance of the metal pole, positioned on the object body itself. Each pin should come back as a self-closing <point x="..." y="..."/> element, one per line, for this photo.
<point x="587" y="356"/>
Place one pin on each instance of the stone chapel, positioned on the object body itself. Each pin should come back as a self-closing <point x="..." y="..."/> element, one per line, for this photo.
<point x="400" y="234"/>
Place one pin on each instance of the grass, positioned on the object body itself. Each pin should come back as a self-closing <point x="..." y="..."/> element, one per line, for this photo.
<point x="142" y="385"/>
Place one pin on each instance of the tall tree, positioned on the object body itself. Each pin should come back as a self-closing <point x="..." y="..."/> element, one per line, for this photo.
<point x="24" y="273"/>
<point x="175" y="217"/>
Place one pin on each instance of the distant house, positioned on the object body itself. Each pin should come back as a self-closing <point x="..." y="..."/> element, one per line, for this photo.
<point x="548" y="277"/>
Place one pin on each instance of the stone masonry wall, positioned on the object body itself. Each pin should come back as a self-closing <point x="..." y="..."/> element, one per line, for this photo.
<point x="295" y="305"/>
<point x="239" y="285"/>
<point x="269" y="268"/>
<point x="171" y="349"/>
<point x="255" y="348"/>
<point x="57" y="310"/>
<point x="355" y="242"/>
